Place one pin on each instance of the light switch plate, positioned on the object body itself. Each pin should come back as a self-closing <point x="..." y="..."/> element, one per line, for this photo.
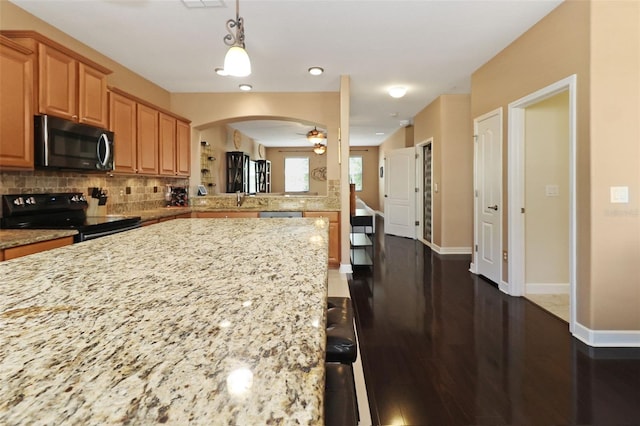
<point x="620" y="194"/>
<point x="552" y="190"/>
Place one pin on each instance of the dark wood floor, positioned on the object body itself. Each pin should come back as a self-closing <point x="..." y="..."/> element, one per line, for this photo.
<point x="441" y="346"/>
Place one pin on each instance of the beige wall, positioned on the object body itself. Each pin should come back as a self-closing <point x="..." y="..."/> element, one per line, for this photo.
<point x="14" y="18"/>
<point x="543" y="55"/>
<point x="547" y="216"/>
<point x="448" y="121"/>
<point x="370" y="174"/>
<point x="396" y="141"/>
<point x="602" y="49"/>
<point x="277" y="156"/>
<point x="214" y="109"/>
<point x="614" y="265"/>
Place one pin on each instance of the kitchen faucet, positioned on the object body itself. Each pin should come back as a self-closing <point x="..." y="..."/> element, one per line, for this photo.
<point x="239" y="198"/>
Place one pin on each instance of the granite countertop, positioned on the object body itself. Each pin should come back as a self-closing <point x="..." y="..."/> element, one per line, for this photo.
<point x="207" y="321"/>
<point x="21" y="237"/>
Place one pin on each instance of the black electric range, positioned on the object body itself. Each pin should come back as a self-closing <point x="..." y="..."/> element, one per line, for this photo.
<point x="61" y="211"/>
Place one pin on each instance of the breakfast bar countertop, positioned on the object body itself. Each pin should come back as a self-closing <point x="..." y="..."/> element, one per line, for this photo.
<point x="207" y="321"/>
<point x="20" y="237"/>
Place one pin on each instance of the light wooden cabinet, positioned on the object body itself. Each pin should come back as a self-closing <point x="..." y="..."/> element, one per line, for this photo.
<point x="167" y="144"/>
<point x="122" y="122"/>
<point x="228" y="214"/>
<point x="183" y="148"/>
<point x="16" y="106"/>
<point x="147" y="131"/>
<point x="148" y="140"/>
<point x="92" y="96"/>
<point x="57" y="83"/>
<point x="334" y="234"/>
<point x="68" y="85"/>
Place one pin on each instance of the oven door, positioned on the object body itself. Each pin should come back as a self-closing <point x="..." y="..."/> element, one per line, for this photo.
<point x="65" y="144"/>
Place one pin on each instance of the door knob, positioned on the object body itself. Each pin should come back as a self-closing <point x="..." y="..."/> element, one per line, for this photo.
<point x="494" y="207"/>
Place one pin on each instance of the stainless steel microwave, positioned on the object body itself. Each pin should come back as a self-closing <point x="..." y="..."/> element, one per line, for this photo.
<point x="65" y="144"/>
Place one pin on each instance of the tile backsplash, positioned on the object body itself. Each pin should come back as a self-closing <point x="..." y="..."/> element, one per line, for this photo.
<point x="126" y="193"/>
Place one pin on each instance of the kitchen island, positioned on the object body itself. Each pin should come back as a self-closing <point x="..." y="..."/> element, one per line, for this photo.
<point x="208" y="321"/>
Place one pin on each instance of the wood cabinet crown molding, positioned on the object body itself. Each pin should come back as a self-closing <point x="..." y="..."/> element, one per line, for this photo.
<point x="5" y="41"/>
<point x="147" y="103"/>
<point x="29" y="34"/>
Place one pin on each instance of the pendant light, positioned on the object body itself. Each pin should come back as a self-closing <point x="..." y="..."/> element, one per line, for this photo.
<point x="236" y="61"/>
<point x="316" y="136"/>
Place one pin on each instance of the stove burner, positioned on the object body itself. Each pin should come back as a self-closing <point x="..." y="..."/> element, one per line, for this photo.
<point x="61" y="211"/>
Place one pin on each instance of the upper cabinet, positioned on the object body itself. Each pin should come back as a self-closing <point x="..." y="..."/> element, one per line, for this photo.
<point x="122" y="122"/>
<point x="16" y="105"/>
<point x="148" y="140"/>
<point x="68" y="85"/>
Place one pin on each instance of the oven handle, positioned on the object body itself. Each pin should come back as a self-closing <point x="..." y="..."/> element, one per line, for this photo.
<point x="92" y="236"/>
<point x="103" y="139"/>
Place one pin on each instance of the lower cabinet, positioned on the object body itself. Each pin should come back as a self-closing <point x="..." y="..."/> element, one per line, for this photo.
<point x="19" y="251"/>
<point x="334" y="235"/>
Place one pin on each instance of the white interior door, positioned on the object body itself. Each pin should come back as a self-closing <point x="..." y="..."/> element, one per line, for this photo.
<point x="400" y="193"/>
<point x="488" y="131"/>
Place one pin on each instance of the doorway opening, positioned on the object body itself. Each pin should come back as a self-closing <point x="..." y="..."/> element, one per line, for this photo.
<point x="542" y="195"/>
<point x="425" y="213"/>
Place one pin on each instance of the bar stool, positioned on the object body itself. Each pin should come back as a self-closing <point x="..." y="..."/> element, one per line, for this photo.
<point x="340" y="406"/>
<point x="342" y="345"/>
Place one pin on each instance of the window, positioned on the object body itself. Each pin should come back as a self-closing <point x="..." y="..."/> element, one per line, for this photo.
<point x="296" y="174"/>
<point x="355" y="172"/>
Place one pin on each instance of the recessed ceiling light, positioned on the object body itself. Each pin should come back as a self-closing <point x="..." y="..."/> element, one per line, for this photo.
<point x="316" y="70"/>
<point x="397" y="91"/>
<point x="221" y="71"/>
<point x="245" y="87"/>
<point x="379" y="133"/>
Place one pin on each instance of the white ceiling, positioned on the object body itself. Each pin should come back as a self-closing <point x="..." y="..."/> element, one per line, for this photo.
<point x="430" y="47"/>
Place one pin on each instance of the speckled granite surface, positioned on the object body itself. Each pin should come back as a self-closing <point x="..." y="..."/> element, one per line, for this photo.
<point x="20" y="237"/>
<point x="263" y="202"/>
<point x="208" y="321"/>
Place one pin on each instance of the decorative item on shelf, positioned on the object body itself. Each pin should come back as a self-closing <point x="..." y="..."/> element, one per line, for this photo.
<point x="204" y="171"/>
<point x="204" y="143"/>
<point x="236" y="61"/>
<point x="179" y="196"/>
<point x="211" y="158"/>
<point x="237" y="139"/>
<point x="319" y="173"/>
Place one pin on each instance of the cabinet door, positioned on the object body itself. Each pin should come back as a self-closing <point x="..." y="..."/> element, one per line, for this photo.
<point x="92" y="96"/>
<point x="183" y="148"/>
<point x="334" y="244"/>
<point x="167" y="145"/>
<point x="123" y="124"/>
<point x="147" y="137"/>
<point x="16" y="108"/>
<point x="57" y="77"/>
<point x="334" y="234"/>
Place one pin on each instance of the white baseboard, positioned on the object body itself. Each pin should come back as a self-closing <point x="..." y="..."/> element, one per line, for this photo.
<point x="345" y="268"/>
<point x="607" y="338"/>
<point x="547" y="288"/>
<point x="504" y="287"/>
<point x="472" y="268"/>
<point x="449" y="250"/>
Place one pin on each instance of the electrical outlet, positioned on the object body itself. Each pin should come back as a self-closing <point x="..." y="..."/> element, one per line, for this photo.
<point x="127" y="190"/>
<point x="504" y="256"/>
<point x="155" y="189"/>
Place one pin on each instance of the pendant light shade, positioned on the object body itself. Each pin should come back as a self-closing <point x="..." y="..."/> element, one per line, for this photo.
<point x="236" y="62"/>
<point x="319" y="148"/>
